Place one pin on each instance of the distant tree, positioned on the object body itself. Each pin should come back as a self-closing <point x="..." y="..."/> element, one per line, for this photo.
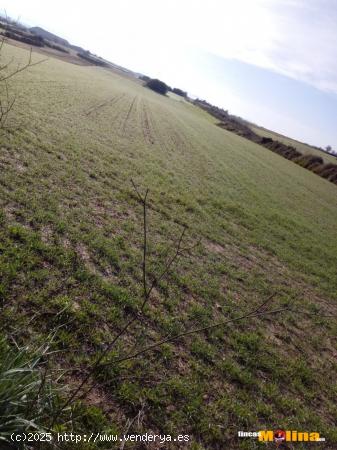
<point x="157" y="86"/>
<point x="328" y="148"/>
<point x="144" y="78"/>
<point x="179" y="92"/>
<point x="92" y="59"/>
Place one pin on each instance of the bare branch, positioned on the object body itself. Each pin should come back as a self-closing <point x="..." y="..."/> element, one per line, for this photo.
<point x="110" y="346"/>
<point x="99" y="364"/>
<point x="253" y="313"/>
<point x="24" y="67"/>
<point x="136" y="190"/>
<point x="7" y="101"/>
<point x="9" y="62"/>
<point x="169" y="263"/>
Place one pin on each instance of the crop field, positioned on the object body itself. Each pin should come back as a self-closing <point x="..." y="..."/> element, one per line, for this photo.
<point x="300" y="146"/>
<point x="71" y="262"/>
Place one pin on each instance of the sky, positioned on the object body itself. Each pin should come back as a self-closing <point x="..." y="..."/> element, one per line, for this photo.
<point x="273" y="62"/>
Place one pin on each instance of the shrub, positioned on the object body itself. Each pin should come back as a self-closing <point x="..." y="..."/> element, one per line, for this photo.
<point x="290" y="153"/>
<point x="266" y="140"/>
<point x="56" y="47"/>
<point x="157" y="86"/>
<point x="30" y="40"/>
<point x="145" y="78"/>
<point x="329" y="172"/>
<point x="326" y="168"/>
<point x="333" y="178"/>
<point x="92" y="59"/>
<point x="309" y="161"/>
<point x="179" y="92"/>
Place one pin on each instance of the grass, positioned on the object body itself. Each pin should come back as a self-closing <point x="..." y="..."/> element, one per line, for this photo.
<point x="70" y="255"/>
<point x="26" y="395"/>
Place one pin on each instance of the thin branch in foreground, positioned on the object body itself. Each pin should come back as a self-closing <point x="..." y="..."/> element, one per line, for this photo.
<point x="97" y="365"/>
<point x="7" y="100"/>
<point x="253" y="313"/>
<point x="26" y="66"/>
<point x="144" y="271"/>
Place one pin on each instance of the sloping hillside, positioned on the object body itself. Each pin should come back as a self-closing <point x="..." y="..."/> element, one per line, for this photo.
<point x="300" y="146"/>
<point x="49" y="36"/>
<point x="71" y="254"/>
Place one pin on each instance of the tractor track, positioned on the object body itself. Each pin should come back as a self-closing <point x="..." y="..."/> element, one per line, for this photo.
<point x="146" y="126"/>
<point x="110" y="102"/>
<point x="126" y="120"/>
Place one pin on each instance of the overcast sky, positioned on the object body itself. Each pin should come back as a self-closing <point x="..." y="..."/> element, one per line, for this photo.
<point x="271" y="61"/>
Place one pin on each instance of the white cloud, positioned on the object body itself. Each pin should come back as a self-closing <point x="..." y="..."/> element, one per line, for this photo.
<point x="297" y="38"/>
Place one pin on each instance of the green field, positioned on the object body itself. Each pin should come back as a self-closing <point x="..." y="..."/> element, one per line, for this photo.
<point x="305" y="149"/>
<point x="71" y="251"/>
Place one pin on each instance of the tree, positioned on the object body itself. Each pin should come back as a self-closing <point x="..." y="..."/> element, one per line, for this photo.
<point x="328" y="148"/>
<point x="157" y="86"/>
<point x="144" y="78"/>
<point x="180" y="92"/>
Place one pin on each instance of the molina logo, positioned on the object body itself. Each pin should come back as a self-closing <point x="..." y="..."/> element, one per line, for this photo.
<point x="280" y="436"/>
